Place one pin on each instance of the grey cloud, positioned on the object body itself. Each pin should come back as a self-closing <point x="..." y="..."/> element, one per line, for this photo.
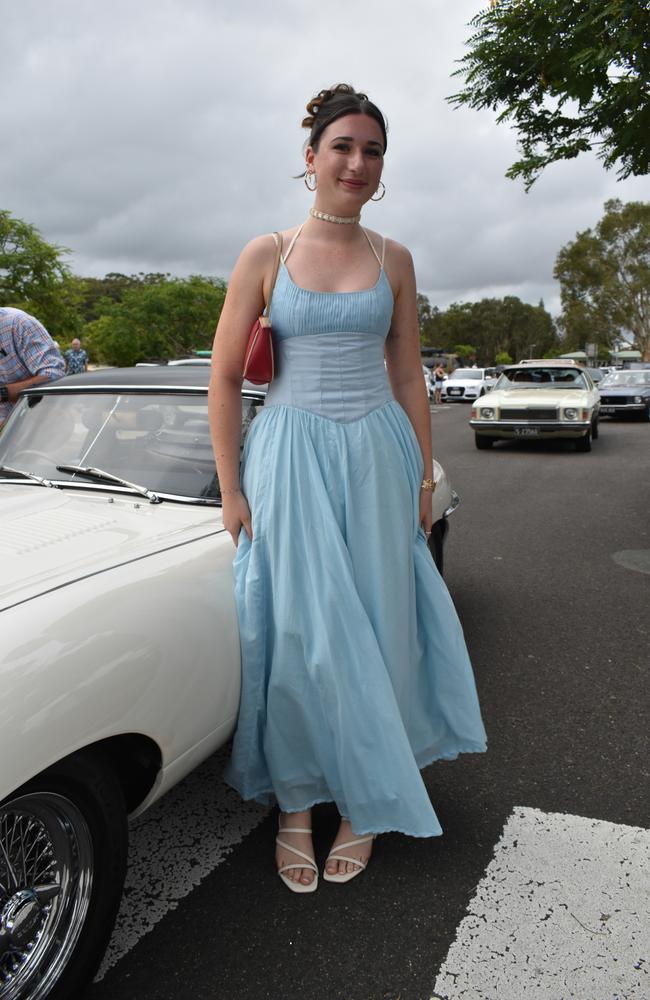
<point x="164" y="135"/>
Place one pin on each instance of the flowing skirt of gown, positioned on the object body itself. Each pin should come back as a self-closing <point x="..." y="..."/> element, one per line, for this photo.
<point x="355" y="670"/>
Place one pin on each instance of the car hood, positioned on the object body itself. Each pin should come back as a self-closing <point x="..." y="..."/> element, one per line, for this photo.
<point x="536" y="397"/>
<point x="52" y="537"/>
<point x="624" y="390"/>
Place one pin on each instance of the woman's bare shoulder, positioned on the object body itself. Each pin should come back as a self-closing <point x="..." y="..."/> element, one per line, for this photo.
<point x="258" y="250"/>
<point x="261" y="249"/>
<point x="395" y="253"/>
<point x="399" y="254"/>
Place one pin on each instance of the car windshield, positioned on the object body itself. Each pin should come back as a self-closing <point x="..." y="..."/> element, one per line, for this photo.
<point x="467" y="373"/>
<point x="543" y="378"/>
<point x="626" y="378"/>
<point x="160" y="441"/>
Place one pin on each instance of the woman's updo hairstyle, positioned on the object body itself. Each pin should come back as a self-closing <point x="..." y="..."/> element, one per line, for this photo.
<point x="338" y="101"/>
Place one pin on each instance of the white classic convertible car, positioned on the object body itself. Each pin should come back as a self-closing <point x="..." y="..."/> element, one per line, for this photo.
<point x="539" y="400"/>
<point x="119" y="662"/>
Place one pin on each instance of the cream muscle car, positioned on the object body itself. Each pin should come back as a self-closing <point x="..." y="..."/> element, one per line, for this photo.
<point x="539" y="400"/>
<point x="119" y="662"/>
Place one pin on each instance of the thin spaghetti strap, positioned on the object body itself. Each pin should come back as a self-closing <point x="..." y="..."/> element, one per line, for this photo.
<point x="380" y="260"/>
<point x="383" y="252"/>
<point x="295" y="237"/>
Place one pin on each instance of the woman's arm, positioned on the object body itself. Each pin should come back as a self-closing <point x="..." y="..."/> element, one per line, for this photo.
<point x="244" y="302"/>
<point x="404" y="364"/>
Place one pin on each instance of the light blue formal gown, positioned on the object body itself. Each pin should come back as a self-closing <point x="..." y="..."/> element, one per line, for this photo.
<point x="355" y="672"/>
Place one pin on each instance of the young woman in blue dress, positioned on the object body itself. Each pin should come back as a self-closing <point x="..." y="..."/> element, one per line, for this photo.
<point x="360" y="430"/>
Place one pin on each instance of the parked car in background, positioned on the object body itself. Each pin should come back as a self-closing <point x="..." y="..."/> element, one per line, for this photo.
<point x="540" y="400"/>
<point x="196" y="362"/>
<point x="119" y="663"/>
<point x="468" y="384"/>
<point x="626" y="393"/>
<point x="597" y="375"/>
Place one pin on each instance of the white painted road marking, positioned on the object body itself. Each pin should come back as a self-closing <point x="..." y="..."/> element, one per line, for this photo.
<point x="562" y="913"/>
<point x="174" y="846"/>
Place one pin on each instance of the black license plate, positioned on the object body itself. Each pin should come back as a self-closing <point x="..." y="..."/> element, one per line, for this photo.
<point x="526" y="432"/>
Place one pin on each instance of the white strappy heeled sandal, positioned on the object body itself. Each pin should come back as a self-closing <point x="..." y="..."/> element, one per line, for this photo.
<point x="346" y="876"/>
<point x="306" y="863"/>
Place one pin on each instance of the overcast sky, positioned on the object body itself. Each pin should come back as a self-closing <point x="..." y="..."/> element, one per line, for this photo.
<point x="161" y="135"/>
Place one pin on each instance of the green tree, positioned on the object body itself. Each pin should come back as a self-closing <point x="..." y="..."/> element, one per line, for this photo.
<point x="425" y="319"/>
<point x="496" y="326"/>
<point x="156" y="320"/>
<point x="502" y="358"/>
<point x="465" y="352"/>
<point x="35" y="277"/>
<point x="97" y="294"/>
<point x="570" y="75"/>
<point x="604" y="278"/>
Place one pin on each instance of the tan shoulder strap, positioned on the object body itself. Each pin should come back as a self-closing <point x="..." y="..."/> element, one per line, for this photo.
<point x="380" y="260"/>
<point x="276" y="266"/>
<point x="292" y="244"/>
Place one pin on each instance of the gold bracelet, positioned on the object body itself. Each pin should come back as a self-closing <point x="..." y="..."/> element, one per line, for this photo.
<point x="428" y="484"/>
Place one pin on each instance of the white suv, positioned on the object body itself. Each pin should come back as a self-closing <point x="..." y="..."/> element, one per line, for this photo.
<point x="467" y="384"/>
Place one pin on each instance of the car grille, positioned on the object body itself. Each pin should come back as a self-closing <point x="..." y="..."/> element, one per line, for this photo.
<point x="527" y="413"/>
<point x="456" y="390"/>
<point x="616" y="400"/>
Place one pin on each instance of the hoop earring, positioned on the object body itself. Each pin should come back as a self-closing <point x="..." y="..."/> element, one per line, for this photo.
<point x="306" y="180"/>
<point x="383" y="192"/>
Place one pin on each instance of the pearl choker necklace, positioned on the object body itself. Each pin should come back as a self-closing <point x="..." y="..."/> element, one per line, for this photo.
<point x="341" y="220"/>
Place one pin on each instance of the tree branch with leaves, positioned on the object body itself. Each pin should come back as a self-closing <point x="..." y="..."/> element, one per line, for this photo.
<point x="604" y="277"/>
<point x="569" y="75"/>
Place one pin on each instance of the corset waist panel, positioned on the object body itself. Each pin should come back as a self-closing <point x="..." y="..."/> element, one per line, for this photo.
<point x="340" y="376"/>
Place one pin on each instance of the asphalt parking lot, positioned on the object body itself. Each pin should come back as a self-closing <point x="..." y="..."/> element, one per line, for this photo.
<point x="548" y="562"/>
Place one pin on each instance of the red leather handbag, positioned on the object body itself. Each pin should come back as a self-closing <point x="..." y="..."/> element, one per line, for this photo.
<point x="258" y="359"/>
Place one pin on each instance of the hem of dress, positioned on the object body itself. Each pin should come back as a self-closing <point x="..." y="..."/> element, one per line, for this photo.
<point x="262" y="798"/>
<point x="268" y="798"/>
<point x="425" y="761"/>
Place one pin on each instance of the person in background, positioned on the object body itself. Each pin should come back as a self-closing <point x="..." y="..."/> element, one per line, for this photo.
<point x="438" y="382"/>
<point x="76" y="359"/>
<point x="28" y="356"/>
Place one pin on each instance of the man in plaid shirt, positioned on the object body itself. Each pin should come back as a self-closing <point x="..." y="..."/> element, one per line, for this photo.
<point x="28" y="355"/>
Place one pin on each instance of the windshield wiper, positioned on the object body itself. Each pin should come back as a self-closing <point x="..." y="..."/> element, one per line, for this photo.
<point x="106" y="477"/>
<point x="6" y="470"/>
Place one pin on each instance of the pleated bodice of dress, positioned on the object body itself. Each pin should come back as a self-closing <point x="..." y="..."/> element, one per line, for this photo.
<point x="329" y="348"/>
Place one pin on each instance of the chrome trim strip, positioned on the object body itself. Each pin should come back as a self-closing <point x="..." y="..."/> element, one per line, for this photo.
<point x="622" y="406"/>
<point x="507" y="425"/>
<point x="152" y="389"/>
<point x="455" y="500"/>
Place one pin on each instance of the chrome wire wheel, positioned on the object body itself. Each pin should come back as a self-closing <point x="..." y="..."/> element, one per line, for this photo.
<point x="46" y="879"/>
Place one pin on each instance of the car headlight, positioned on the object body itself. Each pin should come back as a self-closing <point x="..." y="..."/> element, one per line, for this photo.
<point x="570" y="413"/>
<point x="638" y="399"/>
<point x="487" y="413"/>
